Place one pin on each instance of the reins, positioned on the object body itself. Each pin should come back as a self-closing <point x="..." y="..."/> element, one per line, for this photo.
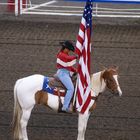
<point x="95" y="98"/>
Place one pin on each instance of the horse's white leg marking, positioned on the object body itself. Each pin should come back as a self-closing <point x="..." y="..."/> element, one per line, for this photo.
<point x="82" y="124"/>
<point x="24" y="121"/>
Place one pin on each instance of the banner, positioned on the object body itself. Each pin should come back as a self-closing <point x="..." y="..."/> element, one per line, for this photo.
<point x="112" y="1"/>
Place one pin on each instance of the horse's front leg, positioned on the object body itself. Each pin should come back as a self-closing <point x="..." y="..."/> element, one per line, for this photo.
<point x="82" y="125"/>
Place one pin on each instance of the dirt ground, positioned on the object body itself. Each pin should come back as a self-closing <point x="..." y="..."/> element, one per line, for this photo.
<point x="28" y="47"/>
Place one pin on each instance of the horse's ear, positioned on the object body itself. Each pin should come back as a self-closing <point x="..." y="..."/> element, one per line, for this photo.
<point x="115" y="67"/>
<point x="103" y="68"/>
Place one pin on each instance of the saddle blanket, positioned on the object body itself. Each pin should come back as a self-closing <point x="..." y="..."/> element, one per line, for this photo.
<point x="46" y="86"/>
<point x="51" y="90"/>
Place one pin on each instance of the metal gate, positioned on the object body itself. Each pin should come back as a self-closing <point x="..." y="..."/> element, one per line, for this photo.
<point x="73" y="8"/>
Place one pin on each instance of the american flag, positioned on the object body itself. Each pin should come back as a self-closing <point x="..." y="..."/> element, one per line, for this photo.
<point x="83" y="48"/>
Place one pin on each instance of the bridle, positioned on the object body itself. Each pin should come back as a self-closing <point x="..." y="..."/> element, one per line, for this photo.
<point x="111" y="85"/>
<point x="95" y="98"/>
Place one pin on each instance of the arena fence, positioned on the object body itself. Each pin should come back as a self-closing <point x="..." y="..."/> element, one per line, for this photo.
<point x="101" y="8"/>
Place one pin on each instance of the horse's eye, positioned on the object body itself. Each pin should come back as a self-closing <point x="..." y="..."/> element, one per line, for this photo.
<point x="111" y="80"/>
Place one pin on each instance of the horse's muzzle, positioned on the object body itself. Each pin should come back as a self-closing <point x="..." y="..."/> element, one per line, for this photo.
<point x="116" y="92"/>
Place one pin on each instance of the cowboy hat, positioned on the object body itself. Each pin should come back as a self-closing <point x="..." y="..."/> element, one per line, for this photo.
<point x="68" y="44"/>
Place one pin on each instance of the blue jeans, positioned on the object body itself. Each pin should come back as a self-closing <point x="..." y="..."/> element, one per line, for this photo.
<point x="64" y="76"/>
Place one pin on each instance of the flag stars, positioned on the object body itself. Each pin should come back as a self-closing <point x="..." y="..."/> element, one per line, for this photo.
<point x="88" y="13"/>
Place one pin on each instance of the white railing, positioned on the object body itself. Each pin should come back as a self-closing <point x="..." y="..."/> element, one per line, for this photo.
<point x="51" y="8"/>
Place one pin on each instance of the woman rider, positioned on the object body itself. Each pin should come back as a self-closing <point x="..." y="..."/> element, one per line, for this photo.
<point x="65" y="64"/>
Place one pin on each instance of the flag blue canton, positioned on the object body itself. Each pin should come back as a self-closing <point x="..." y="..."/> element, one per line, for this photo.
<point x="88" y="13"/>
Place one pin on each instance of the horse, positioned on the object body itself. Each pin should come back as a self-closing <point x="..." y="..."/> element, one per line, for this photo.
<point x="28" y="92"/>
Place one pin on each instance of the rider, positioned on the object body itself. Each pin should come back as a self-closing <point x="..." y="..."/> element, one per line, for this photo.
<point x="65" y="64"/>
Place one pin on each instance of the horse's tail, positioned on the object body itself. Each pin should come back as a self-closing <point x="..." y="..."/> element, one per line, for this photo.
<point x="16" y="114"/>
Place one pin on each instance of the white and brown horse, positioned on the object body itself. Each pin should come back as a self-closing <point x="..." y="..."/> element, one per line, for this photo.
<point x="27" y="93"/>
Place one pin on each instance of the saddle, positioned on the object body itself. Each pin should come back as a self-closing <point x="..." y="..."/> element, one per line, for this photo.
<point x="54" y="86"/>
<point x="58" y="86"/>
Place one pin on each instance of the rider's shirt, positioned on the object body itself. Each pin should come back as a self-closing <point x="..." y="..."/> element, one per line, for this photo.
<point x="66" y="61"/>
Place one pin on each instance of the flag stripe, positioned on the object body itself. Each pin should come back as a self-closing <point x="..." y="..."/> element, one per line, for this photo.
<point x="86" y="104"/>
<point x="79" y="97"/>
<point x="82" y="27"/>
<point x="78" y="48"/>
<point x="81" y="33"/>
<point x="80" y="39"/>
<point x="82" y="79"/>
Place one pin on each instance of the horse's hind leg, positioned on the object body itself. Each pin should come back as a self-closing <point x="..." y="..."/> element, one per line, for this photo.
<point x="82" y="125"/>
<point x="24" y="121"/>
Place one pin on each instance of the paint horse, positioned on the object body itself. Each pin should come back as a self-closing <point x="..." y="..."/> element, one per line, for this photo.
<point x="28" y="92"/>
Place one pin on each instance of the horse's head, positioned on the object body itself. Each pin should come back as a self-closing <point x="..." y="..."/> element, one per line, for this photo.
<point x="110" y="77"/>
